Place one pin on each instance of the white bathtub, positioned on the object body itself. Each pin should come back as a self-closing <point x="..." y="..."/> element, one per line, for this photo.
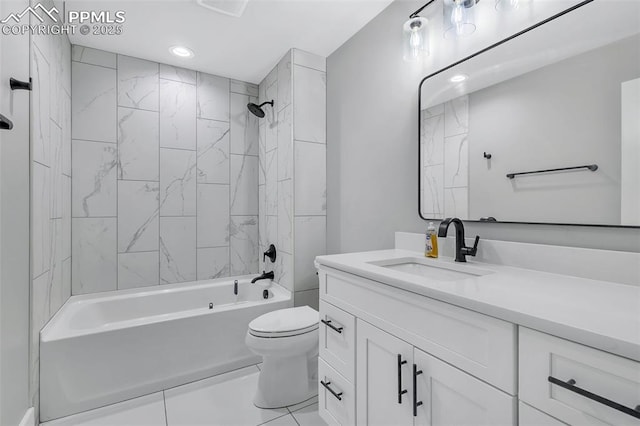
<point x="109" y="347"/>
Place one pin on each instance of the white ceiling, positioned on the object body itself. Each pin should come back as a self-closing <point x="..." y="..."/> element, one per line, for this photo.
<point x="244" y="48"/>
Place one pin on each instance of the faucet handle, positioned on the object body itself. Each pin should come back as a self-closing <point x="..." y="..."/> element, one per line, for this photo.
<point x="473" y="250"/>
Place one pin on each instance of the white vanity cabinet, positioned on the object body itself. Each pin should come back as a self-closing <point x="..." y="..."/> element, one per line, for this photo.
<point x="389" y="356"/>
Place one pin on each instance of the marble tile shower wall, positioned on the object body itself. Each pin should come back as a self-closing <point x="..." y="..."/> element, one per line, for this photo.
<point x="445" y="159"/>
<point x="165" y="174"/>
<point x="50" y="186"/>
<point x="293" y="171"/>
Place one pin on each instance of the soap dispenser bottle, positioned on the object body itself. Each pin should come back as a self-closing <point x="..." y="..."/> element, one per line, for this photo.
<point x="431" y="241"/>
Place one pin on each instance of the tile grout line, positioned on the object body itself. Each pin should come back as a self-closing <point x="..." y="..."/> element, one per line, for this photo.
<point x="164" y="403"/>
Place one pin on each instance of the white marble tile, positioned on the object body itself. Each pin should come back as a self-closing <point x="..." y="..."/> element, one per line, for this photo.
<point x="432" y="138"/>
<point x="93" y="179"/>
<point x="307" y="298"/>
<point x="94" y="265"/>
<point x="138" y="83"/>
<point x="66" y="134"/>
<point x="308" y="416"/>
<point x="213" y="215"/>
<point x="55" y="168"/>
<point x="433" y="111"/>
<point x="310" y="179"/>
<point x="40" y="108"/>
<point x="262" y="216"/>
<point x="284" y="81"/>
<point x="456" y="116"/>
<point x="456" y="203"/>
<point x="40" y="223"/>
<point x="244" y="88"/>
<point x="269" y="230"/>
<point x="285" y="145"/>
<point x="433" y="191"/>
<point x="183" y="75"/>
<point x="284" y="270"/>
<point x="310" y="241"/>
<point x="213" y="97"/>
<point x="271" y="78"/>
<point x="177" y="182"/>
<point x="309" y="105"/>
<point x="262" y="154"/>
<point x="285" y="216"/>
<point x="244" y="126"/>
<point x="138" y="269"/>
<point x="56" y="294"/>
<point x="146" y="410"/>
<point x="40" y="314"/>
<point x="138" y="144"/>
<point x="65" y="65"/>
<point x="66" y="217"/>
<point x="138" y="204"/>
<point x="226" y="399"/>
<point x="309" y="60"/>
<point x="177" y="115"/>
<point x="456" y="161"/>
<point x="244" y="185"/>
<point x="93" y="104"/>
<point x="177" y="249"/>
<point x="93" y="56"/>
<point x="213" y="263"/>
<point x="271" y="118"/>
<point x="213" y="151"/>
<point x="271" y="184"/>
<point x="66" y="278"/>
<point x="243" y="245"/>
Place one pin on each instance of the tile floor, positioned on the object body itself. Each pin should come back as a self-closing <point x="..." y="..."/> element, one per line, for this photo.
<point x="224" y="400"/>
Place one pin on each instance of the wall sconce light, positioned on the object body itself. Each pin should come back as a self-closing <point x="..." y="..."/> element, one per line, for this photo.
<point x="415" y="39"/>
<point x="458" y="18"/>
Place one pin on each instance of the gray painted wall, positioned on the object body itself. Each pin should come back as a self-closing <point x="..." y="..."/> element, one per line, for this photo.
<point x="372" y="150"/>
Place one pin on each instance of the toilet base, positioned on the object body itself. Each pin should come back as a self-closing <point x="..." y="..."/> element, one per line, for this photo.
<point x="286" y="381"/>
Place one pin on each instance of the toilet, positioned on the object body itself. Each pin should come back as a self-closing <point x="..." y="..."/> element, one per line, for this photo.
<point x="287" y="340"/>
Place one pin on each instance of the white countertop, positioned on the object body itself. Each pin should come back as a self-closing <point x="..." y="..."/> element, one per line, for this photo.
<point x="600" y="314"/>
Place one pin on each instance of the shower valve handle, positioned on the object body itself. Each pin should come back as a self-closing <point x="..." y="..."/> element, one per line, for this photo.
<point x="270" y="253"/>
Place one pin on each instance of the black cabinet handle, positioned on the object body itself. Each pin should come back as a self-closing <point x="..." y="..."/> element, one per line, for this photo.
<point x="570" y="385"/>
<point x="416" y="403"/>
<point x="326" y="385"/>
<point x="400" y="390"/>
<point x="5" y="123"/>
<point x="331" y="326"/>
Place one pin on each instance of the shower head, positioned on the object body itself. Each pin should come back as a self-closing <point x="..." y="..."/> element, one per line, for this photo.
<point x="257" y="109"/>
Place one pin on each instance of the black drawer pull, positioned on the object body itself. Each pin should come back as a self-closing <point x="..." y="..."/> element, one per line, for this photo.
<point x="570" y="385"/>
<point x="400" y="390"/>
<point x="331" y="326"/>
<point x="337" y="395"/>
<point x="416" y="403"/>
<point x="5" y="123"/>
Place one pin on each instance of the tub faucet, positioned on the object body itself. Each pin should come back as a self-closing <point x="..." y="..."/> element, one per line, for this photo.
<point x="264" y="276"/>
<point x="461" y="250"/>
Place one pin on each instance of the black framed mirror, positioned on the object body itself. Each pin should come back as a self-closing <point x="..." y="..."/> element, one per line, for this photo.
<point x="541" y="127"/>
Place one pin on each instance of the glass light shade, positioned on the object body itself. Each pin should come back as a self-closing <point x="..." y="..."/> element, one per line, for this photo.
<point x="506" y="5"/>
<point x="415" y="37"/>
<point x="458" y="18"/>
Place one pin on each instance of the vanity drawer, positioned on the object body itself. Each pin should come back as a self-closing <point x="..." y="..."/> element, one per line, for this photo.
<point x="545" y="358"/>
<point x="336" y="397"/>
<point x="337" y="339"/>
<point x="481" y="345"/>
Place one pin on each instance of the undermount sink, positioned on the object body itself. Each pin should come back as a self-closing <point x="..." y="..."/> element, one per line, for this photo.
<point x="432" y="269"/>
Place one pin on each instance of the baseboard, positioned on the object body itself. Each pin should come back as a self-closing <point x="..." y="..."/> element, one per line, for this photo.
<point x="29" y="418"/>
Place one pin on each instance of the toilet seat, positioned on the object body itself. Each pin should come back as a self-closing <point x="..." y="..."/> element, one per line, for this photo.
<point x="285" y="323"/>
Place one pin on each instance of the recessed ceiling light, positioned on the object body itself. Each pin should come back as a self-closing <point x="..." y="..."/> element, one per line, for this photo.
<point x="458" y="78"/>
<point x="181" y="51"/>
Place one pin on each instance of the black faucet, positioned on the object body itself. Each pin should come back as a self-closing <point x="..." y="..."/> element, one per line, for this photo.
<point x="461" y="250"/>
<point x="264" y="276"/>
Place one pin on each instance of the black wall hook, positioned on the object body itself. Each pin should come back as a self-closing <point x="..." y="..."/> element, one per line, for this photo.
<point x="487" y="156"/>
<point x="20" y="85"/>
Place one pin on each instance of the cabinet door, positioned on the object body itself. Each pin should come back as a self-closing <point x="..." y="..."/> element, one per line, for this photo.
<point x="448" y="396"/>
<point x="381" y="378"/>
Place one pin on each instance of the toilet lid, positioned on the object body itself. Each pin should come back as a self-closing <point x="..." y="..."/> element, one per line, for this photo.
<point x="285" y="322"/>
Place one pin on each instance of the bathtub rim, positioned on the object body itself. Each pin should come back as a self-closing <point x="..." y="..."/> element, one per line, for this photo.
<point x="53" y="331"/>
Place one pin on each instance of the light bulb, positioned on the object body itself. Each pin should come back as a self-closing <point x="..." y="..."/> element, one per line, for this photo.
<point x="416" y="39"/>
<point x="458" y="16"/>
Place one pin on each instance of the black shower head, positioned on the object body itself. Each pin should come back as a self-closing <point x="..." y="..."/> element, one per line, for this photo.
<point x="257" y="109"/>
